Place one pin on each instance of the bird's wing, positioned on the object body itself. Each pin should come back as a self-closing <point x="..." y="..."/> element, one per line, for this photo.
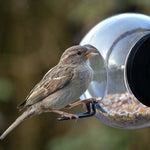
<point x="55" y="79"/>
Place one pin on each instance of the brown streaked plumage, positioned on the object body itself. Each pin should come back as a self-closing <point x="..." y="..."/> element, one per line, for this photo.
<point x="48" y="85"/>
<point x="60" y="86"/>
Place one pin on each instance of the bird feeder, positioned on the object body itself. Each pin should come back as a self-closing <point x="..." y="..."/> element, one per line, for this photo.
<point x="122" y="70"/>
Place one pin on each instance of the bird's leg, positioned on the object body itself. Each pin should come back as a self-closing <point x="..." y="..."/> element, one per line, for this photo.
<point x="64" y="114"/>
<point x="81" y="102"/>
<point x="90" y="111"/>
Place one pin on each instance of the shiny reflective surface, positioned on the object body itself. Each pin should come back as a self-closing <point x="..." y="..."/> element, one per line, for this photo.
<point x="138" y="67"/>
<point x="115" y="38"/>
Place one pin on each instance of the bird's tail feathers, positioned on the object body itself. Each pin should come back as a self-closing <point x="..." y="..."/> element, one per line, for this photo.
<point x="27" y="114"/>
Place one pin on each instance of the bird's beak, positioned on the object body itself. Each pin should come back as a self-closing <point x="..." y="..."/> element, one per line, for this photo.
<point x="91" y="52"/>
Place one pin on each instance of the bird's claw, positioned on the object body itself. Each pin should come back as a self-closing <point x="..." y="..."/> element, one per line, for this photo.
<point x="90" y="112"/>
<point x="70" y="116"/>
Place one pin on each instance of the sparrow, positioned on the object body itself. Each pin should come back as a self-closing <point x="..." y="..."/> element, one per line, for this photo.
<point x="60" y="86"/>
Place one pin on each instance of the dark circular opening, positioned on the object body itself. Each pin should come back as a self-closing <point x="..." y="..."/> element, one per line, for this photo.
<point x="138" y="70"/>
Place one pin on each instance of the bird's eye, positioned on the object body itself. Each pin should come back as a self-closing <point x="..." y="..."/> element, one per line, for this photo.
<point x="79" y="52"/>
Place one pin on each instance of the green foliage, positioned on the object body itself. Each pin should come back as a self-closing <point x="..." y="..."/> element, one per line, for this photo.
<point x="91" y="134"/>
<point x="6" y="90"/>
<point x="95" y="137"/>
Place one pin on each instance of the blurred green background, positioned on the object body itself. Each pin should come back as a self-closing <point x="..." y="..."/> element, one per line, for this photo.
<point x="33" y="35"/>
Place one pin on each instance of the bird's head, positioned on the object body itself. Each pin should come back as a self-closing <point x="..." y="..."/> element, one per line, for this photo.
<point x="78" y="54"/>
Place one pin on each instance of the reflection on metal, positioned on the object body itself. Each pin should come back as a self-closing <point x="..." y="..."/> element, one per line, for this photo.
<point x="121" y="40"/>
<point x="127" y="33"/>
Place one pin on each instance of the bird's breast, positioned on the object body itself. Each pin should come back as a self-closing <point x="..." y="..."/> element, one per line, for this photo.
<point x="82" y="78"/>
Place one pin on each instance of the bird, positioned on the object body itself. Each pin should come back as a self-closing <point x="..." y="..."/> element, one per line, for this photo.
<point x="61" y="85"/>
